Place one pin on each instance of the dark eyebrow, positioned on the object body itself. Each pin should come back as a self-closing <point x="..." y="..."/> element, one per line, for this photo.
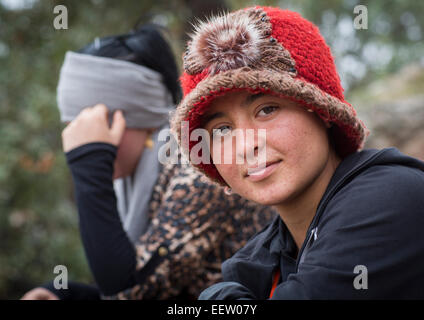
<point x="210" y="117"/>
<point x="249" y="99"/>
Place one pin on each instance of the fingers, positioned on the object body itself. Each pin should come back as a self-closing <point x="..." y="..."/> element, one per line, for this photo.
<point x="97" y="113"/>
<point x="39" y="294"/>
<point x="92" y="125"/>
<point x="101" y="111"/>
<point x="118" y="126"/>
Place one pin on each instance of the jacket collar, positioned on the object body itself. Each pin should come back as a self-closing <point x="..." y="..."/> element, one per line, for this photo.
<point x="351" y="166"/>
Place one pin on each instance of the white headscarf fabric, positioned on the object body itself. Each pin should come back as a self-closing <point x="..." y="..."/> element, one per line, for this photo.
<point x="87" y="80"/>
<point x="140" y="93"/>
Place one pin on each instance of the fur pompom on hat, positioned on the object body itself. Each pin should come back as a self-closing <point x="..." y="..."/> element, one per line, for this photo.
<point x="269" y="50"/>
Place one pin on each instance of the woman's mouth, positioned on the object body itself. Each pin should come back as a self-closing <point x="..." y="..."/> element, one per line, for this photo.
<point x="260" y="172"/>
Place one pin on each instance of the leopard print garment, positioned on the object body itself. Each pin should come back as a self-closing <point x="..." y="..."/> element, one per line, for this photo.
<point x="194" y="227"/>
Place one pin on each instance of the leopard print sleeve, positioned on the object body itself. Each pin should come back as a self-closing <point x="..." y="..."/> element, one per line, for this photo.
<point x="194" y="227"/>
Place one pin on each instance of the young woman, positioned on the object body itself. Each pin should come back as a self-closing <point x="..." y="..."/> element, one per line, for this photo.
<point x="159" y="231"/>
<point x="350" y="221"/>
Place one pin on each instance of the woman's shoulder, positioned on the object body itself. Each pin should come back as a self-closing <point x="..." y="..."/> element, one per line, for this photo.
<point x="393" y="178"/>
<point x="375" y="174"/>
<point x="382" y="192"/>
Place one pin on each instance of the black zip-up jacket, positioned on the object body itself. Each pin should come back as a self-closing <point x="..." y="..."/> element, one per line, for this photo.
<point x="366" y="240"/>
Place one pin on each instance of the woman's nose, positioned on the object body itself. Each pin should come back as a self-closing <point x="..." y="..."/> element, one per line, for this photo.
<point x="250" y="145"/>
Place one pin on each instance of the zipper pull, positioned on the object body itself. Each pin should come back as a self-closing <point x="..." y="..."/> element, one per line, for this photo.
<point x="312" y="237"/>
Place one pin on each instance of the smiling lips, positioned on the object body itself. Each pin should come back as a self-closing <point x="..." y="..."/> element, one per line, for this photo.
<point x="259" y="173"/>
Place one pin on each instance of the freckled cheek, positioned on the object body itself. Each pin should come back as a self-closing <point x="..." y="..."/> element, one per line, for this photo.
<point x="222" y="152"/>
<point x="284" y="139"/>
<point x="224" y="158"/>
<point x="229" y="172"/>
<point x="296" y="142"/>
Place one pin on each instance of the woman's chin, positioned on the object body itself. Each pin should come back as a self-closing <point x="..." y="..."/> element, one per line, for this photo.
<point x="266" y="197"/>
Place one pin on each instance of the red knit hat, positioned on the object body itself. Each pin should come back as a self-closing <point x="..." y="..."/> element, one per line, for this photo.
<point x="270" y="50"/>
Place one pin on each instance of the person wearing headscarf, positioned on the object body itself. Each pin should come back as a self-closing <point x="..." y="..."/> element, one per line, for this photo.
<point x="150" y="230"/>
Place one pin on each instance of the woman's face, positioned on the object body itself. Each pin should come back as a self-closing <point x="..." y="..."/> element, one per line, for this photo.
<point x="296" y="150"/>
<point x="129" y="152"/>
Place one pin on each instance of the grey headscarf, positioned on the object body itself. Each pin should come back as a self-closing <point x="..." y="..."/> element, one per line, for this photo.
<point x="140" y="93"/>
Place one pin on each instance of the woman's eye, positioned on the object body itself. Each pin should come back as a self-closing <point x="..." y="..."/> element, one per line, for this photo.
<point x="267" y="110"/>
<point x="222" y="130"/>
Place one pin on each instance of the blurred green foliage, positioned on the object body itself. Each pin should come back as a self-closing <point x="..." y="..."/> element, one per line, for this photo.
<point x="38" y="219"/>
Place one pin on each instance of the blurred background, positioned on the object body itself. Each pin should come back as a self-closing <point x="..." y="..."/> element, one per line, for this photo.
<point x="381" y="67"/>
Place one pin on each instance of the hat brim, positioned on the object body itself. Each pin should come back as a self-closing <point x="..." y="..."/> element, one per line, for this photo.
<point x="348" y="131"/>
